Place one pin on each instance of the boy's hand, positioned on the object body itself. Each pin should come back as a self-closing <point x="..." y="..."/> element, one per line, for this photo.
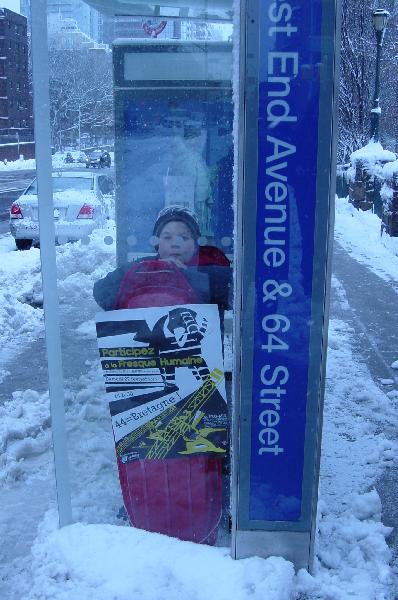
<point x="175" y="261"/>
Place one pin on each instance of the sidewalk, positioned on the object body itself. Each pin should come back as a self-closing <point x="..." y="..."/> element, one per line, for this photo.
<point x="371" y="310"/>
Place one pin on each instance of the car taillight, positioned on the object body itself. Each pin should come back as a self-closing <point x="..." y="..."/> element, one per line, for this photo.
<point x="15" y="211"/>
<point x="86" y="212"/>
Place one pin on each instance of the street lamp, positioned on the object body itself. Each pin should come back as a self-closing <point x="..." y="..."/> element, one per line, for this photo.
<point x="380" y="19"/>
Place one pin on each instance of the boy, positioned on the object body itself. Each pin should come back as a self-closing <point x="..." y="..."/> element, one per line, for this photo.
<point x="179" y="496"/>
<point x="205" y="268"/>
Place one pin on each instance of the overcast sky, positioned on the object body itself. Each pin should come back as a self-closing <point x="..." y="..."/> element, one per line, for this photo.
<point x="11" y="4"/>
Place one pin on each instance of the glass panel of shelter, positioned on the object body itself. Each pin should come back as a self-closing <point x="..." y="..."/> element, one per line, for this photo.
<point x="146" y="293"/>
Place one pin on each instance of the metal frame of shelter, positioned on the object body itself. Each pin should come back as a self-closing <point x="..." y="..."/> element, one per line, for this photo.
<point x="249" y="536"/>
<point x="218" y="11"/>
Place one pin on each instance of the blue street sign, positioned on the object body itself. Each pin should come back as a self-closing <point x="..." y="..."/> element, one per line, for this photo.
<point x="286" y="214"/>
<point x="286" y="201"/>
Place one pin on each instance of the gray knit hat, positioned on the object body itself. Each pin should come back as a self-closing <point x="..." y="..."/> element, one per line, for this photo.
<point x="177" y="213"/>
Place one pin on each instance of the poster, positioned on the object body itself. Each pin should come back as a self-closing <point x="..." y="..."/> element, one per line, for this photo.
<point x="164" y="378"/>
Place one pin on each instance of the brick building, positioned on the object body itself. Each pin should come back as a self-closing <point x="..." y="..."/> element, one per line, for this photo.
<point x="16" y="120"/>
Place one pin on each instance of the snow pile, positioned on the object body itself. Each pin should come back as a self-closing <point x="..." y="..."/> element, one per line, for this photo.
<point x="21" y="289"/>
<point x="96" y="494"/>
<point x="359" y="232"/>
<point x="18" y="165"/>
<point x="80" y="264"/>
<point x="24" y="433"/>
<point x="372" y="157"/>
<point x="353" y="560"/>
<point x="390" y="174"/>
<point x="390" y="169"/>
<point x="372" y="152"/>
<point x="58" y="162"/>
<point x="20" y="281"/>
<point x="85" y="562"/>
<point x="352" y="553"/>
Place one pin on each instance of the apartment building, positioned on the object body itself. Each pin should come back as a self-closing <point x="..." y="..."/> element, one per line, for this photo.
<point x="15" y="98"/>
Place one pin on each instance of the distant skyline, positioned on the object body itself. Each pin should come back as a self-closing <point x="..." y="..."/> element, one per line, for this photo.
<point x="11" y="4"/>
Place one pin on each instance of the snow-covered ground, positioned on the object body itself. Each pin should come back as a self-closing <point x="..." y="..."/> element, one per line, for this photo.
<point x="58" y="162"/>
<point x="98" y="557"/>
<point x="18" y="165"/>
<point x="360" y="234"/>
<point x="30" y="163"/>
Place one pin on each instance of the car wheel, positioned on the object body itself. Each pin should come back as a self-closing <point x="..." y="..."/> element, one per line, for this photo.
<point x="87" y="166"/>
<point x="23" y="244"/>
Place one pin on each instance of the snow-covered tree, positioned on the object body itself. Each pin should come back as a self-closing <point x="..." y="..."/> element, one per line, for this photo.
<point x="357" y="73"/>
<point x="356" y="76"/>
<point x="80" y="93"/>
<point x="389" y="83"/>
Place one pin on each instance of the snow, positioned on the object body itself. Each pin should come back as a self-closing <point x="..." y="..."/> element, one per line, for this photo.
<point x="359" y="232"/>
<point x="128" y="563"/>
<point x="373" y="151"/>
<point x="18" y="165"/>
<point x="98" y="557"/>
<point x="372" y="157"/>
<point x="58" y="162"/>
<point x="20" y="281"/>
<point x="25" y="432"/>
<point x="390" y="169"/>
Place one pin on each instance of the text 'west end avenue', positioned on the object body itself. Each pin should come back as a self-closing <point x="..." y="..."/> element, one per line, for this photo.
<point x="282" y="67"/>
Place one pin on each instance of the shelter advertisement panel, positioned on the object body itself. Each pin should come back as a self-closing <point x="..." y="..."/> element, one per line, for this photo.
<point x="163" y="374"/>
<point x="173" y="119"/>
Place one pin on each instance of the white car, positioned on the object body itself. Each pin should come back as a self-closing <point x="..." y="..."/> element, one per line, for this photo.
<point x="82" y="202"/>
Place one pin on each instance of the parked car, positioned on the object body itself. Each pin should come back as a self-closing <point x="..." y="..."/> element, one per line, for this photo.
<point x="82" y="202"/>
<point x="99" y="159"/>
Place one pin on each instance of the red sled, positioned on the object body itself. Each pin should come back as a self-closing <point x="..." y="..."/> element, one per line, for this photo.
<point x="179" y="497"/>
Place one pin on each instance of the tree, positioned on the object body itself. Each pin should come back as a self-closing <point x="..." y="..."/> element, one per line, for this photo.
<point x="388" y="92"/>
<point x="81" y="93"/>
<point x="357" y="72"/>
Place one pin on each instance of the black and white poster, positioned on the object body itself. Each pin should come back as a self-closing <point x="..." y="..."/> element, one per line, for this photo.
<point x="164" y="377"/>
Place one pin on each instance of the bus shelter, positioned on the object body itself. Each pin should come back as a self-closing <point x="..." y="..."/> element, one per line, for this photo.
<point x="186" y="379"/>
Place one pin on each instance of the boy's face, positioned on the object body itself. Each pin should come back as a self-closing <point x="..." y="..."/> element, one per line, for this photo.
<point x="176" y="241"/>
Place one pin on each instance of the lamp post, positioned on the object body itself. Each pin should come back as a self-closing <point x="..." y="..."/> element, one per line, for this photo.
<point x="380" y="19"/>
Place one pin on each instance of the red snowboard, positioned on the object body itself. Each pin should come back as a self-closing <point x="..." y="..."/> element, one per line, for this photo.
<point x="180" y="497"/>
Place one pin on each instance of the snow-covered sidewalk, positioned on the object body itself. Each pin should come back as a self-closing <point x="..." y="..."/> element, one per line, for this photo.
<point x="96" y="561"/>
<point x="100" y="559"/>
<point x="360" y="234"/>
